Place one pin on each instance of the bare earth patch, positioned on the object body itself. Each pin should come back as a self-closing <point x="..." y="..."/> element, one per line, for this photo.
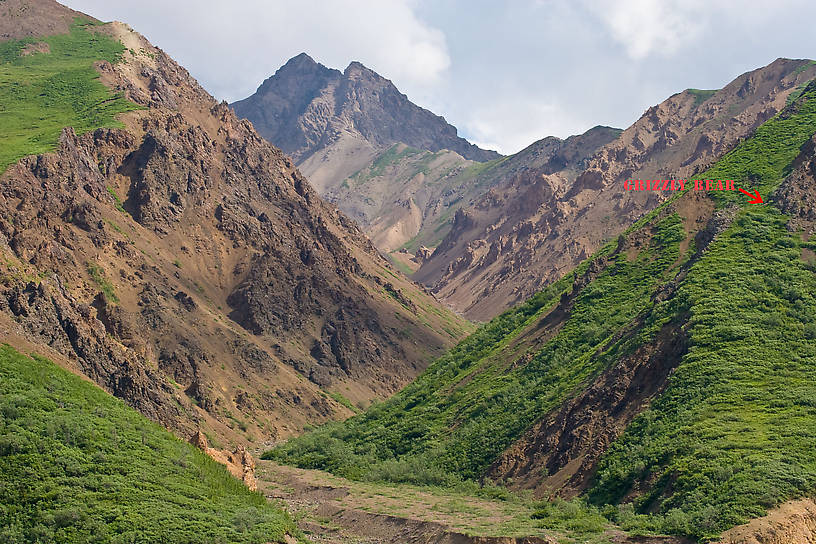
<point x="792" y="522"/>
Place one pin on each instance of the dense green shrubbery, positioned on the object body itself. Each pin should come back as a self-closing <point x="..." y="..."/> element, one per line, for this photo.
<point x="42" y="93"/>
<point x="575" y="517"/>
<point x="77" y="465"/>
<point x="734" y="432"/>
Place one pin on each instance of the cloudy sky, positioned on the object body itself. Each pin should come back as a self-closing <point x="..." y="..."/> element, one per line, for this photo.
<point x="504" y="73"/>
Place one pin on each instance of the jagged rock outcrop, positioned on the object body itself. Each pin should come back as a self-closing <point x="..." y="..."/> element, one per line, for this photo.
<point x="51" y="315"/>
<point x="238" y="461"/>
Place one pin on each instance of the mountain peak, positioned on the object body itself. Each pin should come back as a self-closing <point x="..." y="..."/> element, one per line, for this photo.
<point x="305" y="107"/>
<point x="302" y="59"/>
<point x="356" y="67"/>
<point x="301" y="64"/>
<point x="300" y="76"/>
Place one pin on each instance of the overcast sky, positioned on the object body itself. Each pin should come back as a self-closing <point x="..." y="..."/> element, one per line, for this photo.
<point x="504" y="73"/>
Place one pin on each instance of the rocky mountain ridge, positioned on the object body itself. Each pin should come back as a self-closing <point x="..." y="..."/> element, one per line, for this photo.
<point x="333" y="123"/>
<point x="530" y="228"/>
<point x="185" y="265"/>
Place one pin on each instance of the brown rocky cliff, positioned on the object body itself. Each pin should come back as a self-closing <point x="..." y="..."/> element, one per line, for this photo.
<point x="186" y="266"/>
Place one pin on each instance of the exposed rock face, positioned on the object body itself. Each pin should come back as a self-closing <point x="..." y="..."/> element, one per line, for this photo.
<point x="797" y="195"/>
<point x="50" y="315"/>
<point x="793" y="521"/>
<point x="239" y="461"/>
<point x="399" y="171"/>
<point x="540" y="222"/>
<point x="186" y="266"/>
<point x="333" y="123"/>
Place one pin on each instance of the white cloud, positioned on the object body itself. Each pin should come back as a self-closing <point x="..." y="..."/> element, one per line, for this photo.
<point x="232" y="46"/>
<point x="646" y="27"/>
<point x="509" y="126"/>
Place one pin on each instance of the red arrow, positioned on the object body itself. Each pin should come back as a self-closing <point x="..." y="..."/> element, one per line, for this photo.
<point x="755" y="198"/>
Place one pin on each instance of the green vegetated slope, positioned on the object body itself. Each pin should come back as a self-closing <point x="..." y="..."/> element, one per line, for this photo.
<point x="733" y="432"/>
<point x="43" y="92"/>
<point x="78" y="465"/>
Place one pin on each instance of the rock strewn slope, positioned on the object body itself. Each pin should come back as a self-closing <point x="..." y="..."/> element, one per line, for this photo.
<point x="407" y="198"/>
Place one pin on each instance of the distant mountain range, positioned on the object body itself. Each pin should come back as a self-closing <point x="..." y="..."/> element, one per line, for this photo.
<point x="486" y="232"/>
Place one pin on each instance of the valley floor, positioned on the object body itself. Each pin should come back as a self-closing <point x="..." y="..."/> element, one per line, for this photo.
<point x="334" y="510"/>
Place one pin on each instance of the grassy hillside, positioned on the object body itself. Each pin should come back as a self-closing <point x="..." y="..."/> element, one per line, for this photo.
<point x="731" y="435"/>
<point x="77" y="465"/>
<point x="50" y="83"/>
